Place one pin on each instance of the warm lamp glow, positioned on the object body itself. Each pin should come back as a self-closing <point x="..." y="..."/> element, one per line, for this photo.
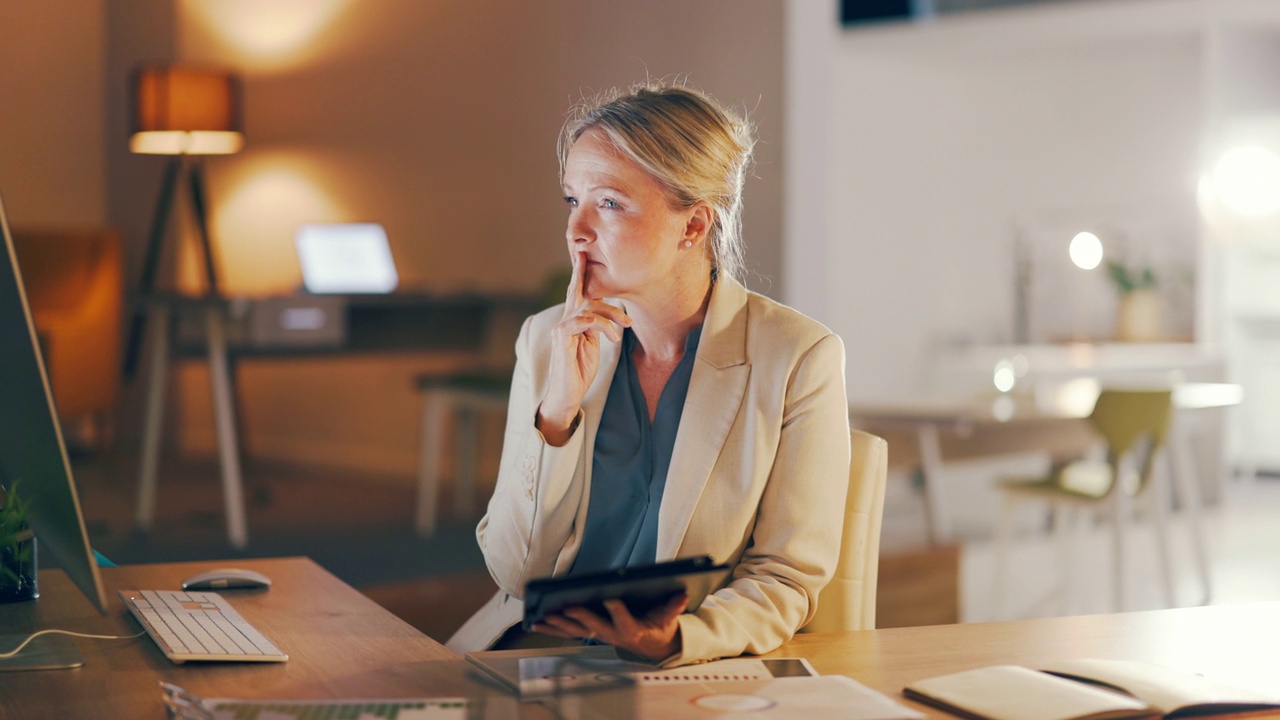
<point x="265" y="197"/>
<point x="187" y="111"/>
<point x="270" y="34"/>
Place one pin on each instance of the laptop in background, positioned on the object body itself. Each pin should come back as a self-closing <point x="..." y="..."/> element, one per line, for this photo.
<point x="345" y="258"/>
<point x="337" y="260"/>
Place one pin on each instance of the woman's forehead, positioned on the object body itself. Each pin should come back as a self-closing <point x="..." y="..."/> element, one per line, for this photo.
<point x="594" y="159"/>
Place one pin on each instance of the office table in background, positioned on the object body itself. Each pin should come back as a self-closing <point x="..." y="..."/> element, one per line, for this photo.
<point x="1058" y="418"/>
<point x="225" y="330"/>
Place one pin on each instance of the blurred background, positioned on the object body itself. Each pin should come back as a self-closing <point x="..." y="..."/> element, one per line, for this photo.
<point x="1003" y="208"/>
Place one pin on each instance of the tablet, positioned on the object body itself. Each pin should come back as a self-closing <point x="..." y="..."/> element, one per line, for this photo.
<point x="643" y="588"/>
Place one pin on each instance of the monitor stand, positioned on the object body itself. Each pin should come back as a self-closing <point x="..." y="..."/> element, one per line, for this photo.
<point x="47" y="652"/>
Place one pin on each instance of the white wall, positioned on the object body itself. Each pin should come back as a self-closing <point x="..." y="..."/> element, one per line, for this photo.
<point x="812" y="33"/>
<point x="52" y="110"/>
<point x="946" y="133"/>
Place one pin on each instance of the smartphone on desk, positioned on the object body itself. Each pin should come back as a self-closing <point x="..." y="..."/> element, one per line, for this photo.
<point x="642" y="588"/>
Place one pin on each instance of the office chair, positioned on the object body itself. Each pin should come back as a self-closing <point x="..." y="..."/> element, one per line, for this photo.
<point x="848" y="602"/>
<point x="1134" y="425"/>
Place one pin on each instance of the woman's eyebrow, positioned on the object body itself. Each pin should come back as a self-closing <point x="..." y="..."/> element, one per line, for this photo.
<point x="602" y="186"/>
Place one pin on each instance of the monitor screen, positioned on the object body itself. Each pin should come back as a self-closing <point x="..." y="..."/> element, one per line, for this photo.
<point x="31" y="446"/>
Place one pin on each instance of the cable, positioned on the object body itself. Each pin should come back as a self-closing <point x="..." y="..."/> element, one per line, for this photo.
<point x="37" y="634"/>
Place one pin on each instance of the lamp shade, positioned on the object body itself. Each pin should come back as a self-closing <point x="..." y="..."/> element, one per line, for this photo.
<point x="180" y="110"/>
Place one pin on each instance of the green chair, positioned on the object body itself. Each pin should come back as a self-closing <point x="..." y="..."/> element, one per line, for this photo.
<point x="1134" y="425"/>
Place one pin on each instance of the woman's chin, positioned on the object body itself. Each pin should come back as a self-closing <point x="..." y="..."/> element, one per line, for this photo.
<point x="598" y="289"/>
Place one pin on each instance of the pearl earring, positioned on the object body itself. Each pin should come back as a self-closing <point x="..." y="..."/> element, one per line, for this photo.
<point x="688" y="243"/>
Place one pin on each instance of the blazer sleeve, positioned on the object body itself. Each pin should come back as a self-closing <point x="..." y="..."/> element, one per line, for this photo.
<point x="795" y="544"/>
<point x="539" y="489"/>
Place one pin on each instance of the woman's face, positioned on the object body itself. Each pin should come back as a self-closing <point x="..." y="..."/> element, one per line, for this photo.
<point x="620" y="216"/>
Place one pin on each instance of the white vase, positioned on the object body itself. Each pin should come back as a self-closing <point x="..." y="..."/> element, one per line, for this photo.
<point x="1140" y="317"/>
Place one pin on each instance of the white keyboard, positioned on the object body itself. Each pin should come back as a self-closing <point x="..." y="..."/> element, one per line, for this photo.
<point x="199" y="626"/>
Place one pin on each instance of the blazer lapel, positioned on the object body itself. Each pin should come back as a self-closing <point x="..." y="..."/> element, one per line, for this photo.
<point x="716" y="389"/>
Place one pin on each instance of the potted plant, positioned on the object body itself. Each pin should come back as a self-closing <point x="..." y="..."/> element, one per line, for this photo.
<point x="17" y="549"/>
<point x="1140" y="317"/>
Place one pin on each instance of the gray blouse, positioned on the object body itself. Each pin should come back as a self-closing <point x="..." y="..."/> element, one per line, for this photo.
<point x="631" y="459"/>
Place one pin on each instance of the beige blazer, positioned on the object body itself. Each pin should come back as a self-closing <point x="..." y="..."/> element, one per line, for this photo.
<point x="758" y="477"/>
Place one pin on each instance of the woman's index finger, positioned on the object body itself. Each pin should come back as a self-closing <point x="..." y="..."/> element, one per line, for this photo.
<point x="573" y="298"/>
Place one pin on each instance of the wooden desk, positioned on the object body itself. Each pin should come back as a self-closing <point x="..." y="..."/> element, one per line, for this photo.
<point x="1232" y="643"/>
<point x="340" y="644"/>
<point x="343" y="645"/>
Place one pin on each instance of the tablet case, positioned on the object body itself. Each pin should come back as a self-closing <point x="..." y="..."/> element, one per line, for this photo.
<point x="643" y="588"/>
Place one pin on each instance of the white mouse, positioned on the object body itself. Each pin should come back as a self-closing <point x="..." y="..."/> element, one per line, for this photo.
<point x="226" y="579"/>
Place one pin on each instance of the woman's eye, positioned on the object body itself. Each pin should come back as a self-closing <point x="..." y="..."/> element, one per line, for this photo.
<point x="571" y="201"/>
<point x="607" y="203"/>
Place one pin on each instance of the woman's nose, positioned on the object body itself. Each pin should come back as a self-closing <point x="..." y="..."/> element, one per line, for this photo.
<point x="579" y="228"/>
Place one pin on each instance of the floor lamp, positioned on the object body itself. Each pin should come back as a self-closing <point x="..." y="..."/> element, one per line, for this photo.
<point x="185" y="113"/>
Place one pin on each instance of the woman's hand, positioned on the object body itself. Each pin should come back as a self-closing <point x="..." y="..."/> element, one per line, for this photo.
<point x="575" y="357"/>
<point x="654" y="636"/>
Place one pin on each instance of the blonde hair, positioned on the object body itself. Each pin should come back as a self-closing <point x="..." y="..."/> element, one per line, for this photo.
<point x="693" y="146"/>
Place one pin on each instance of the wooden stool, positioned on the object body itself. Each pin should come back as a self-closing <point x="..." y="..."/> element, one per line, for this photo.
<point x="463" y="395"/>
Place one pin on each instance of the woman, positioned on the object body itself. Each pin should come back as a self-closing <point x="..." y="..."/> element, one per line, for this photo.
<point x="665" y="411"/>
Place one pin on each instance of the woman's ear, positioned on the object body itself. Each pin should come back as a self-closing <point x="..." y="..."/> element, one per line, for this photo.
<point x="698" y="225"/>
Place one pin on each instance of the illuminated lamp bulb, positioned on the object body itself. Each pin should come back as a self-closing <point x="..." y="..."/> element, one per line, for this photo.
<point x="1004" y="376"/>
<point x="1085" y="250"/>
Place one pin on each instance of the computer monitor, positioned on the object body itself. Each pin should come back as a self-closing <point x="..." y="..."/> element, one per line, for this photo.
<point x="31" y="445"/>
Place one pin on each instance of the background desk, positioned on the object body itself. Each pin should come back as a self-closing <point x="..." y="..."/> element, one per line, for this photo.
<point x="224" y="330"/>
<point x="1054" y="423"/>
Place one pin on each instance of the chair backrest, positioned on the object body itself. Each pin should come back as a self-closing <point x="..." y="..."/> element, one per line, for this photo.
<point x="1126" y="417"/>
<point x="848" y="602"/>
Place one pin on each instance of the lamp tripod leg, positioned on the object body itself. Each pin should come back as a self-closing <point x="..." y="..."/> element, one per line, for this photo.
<point x="196" y="177"/>
<point x="151" y="263"/>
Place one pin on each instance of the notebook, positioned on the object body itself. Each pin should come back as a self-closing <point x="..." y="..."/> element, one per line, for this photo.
<point x="348" y="258"/>
<point x="1085" y="689"/>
